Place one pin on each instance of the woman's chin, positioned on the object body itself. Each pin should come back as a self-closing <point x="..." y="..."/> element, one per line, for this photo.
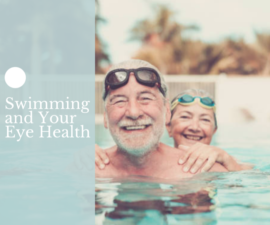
<point x="188" y="142"/>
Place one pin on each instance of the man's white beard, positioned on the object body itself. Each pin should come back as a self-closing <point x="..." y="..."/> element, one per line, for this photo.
<point x="141" y="145"/>
<point x="143" y="148"/>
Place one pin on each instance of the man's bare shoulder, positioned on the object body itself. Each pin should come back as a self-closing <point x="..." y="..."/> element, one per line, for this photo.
<point x="108" y="172"/>
<point x="218" y="168"/>
<point x="111" y="151"/>
<point x="170" y="152"/>
<point x="168" y="149"/>
<point x="171" y="169"/>
<point x="175" y="170"/>
<point x="110" y="169"/>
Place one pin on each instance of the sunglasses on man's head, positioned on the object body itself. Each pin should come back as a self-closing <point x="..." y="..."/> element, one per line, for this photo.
<point x="119" y="77"/>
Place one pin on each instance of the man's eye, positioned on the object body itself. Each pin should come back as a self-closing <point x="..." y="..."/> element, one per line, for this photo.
<point x="145" y="100"/>
<point x="119" y="102"/>
<point x="184" y="117"/>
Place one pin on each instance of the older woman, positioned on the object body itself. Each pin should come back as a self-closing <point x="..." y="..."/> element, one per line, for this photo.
<point x="192" y="126"/>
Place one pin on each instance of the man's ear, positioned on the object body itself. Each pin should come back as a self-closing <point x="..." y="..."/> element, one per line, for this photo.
<point x="105" y="120"/>
<point x="168" y="112"/>
<point x="168" y="127"/>
<point x="168" y="118"/>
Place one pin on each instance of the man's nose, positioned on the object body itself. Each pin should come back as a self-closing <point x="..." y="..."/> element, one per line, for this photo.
<point x="134" y="109"/>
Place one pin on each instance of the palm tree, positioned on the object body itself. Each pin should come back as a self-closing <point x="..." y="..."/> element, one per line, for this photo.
<point x="164" y="46"/>
<point x="100" y="55"/>
<point x="263" y="40"/>
<point x="161" y="37"/>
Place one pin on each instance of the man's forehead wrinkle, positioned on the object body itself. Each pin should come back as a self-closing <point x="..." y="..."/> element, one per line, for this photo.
<point x="146" y="92"/>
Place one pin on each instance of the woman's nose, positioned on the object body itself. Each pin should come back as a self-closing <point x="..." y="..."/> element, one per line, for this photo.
<point x="194" y="125"/>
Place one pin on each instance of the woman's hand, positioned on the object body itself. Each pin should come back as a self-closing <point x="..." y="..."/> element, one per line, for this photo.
<point x="202" y="156"/>
<point x="101" y="158"/>
<point x="198" y="156"/>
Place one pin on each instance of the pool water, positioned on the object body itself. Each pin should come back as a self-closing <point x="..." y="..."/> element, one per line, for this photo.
<point x="210" y="198"/>
<point x="37" y="186"/>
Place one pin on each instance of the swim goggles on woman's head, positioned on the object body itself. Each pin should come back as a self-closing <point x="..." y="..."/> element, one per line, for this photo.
<point x="119" y="77"/>
<point x="205" y="102"/>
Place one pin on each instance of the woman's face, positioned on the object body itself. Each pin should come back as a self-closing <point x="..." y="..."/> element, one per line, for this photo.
<point x="191" y="124"/>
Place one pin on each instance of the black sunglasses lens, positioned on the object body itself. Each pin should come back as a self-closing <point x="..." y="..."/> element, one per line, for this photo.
<point x="186" y="98"/>
<point x="207" y="101"/>
<point x="117" y="77"/>
<point x="146" y="75"/>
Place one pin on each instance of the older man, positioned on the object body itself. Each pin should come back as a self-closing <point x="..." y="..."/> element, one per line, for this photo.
<point x="136" y="111"/>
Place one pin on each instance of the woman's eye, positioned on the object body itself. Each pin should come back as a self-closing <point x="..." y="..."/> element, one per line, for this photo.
<point x="206" y="120"/>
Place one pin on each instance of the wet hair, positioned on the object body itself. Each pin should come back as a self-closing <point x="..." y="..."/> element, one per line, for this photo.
<point x="135" y="64"/>
<point x="193" y="92"/>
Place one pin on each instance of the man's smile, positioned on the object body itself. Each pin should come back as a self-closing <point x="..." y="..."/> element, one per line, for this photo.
<point x="135" y="125"/>
<point x="138" y="127"/>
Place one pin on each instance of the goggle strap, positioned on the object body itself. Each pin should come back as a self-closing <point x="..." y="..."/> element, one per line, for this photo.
<point x="176" y="102"/>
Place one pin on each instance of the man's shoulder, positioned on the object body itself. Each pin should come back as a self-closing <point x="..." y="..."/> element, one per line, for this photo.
<point x="108" y="172"/>
<point x="111" y="151"/>
<point x="168" y="150"/>
<point x="217" y="167"/>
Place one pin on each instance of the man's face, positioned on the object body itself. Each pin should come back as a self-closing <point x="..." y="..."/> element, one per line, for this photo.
<point x="191" y="124"/>
<point x="135" y="116"/>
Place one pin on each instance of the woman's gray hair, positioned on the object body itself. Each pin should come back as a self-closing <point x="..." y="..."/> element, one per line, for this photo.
<point x="194" y="92"/>
<point x="135" y="64"/>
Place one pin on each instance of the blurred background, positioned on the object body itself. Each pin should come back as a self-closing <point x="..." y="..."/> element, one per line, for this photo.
<point x="220" y="46"/>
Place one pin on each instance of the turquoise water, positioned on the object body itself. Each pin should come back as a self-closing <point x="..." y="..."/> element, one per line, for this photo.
<point x="38" y="188"/>
<point x="210" y="198"/>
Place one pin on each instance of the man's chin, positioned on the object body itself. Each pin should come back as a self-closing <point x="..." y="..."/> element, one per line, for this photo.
<point x="136" y="152"/>
<point x="136" y="148"/>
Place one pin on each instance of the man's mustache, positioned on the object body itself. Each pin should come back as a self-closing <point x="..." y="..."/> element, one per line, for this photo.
<point x="139" y="122"/>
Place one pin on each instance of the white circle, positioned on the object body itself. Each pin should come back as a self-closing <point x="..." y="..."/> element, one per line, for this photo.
<point x="15" y="77"/>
